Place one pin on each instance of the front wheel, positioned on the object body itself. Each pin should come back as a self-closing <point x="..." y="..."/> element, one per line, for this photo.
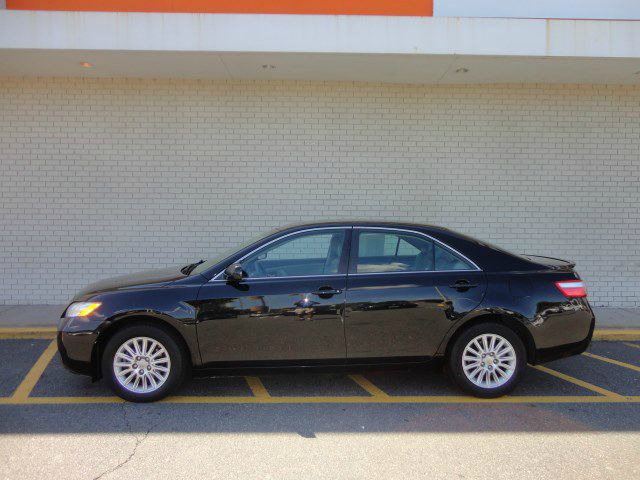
<point x="487" y="360"/>
<point x="143" y="363"/>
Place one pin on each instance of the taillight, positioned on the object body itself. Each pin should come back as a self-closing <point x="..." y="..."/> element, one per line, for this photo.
<point x="572" y="288"/>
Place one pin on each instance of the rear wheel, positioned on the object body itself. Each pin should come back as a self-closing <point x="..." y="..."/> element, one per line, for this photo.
<point x="143" y="363"/>
<point x="487" y="360"/>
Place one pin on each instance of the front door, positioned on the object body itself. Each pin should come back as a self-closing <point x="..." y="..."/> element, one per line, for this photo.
<point x="404" y="292"/>
<point x="290" y="306"/>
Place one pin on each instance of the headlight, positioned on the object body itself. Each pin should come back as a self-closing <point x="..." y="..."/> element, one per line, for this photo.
<point x="81" y="309"/>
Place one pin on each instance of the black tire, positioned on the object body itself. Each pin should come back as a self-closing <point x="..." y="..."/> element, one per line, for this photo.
<point x="177" y="355"/>
<point x="455" y="362"/>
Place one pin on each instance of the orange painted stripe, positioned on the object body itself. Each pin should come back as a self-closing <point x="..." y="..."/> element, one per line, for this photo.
<point x="420" y="8"/>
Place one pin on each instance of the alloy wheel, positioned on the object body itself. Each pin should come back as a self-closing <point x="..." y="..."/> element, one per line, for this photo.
<point x="489" y="360"/>
<point x="141" y="365"/>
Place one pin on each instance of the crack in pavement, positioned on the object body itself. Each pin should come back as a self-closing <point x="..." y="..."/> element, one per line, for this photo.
<point x="138" y="442"/>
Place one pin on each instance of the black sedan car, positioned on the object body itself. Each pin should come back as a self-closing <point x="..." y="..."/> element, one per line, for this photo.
<point x="332" y="294"/>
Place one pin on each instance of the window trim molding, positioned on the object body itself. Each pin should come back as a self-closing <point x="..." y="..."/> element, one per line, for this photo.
<point x="354" y="227"/>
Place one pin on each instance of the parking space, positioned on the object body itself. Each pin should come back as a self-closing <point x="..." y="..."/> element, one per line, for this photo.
<point x="580" y="415"/>
<point x="618" y="378"/>
<point x="311" y="385"/>
<point x="608" y="373"/>
<point x="18" y="356"/>
<point x="628" y="352"/>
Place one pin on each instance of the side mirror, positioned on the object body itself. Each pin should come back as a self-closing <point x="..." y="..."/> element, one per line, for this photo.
<point x="234" y="273"/>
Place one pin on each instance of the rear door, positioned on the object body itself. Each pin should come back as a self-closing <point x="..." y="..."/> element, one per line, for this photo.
<point x="404" y="291"/>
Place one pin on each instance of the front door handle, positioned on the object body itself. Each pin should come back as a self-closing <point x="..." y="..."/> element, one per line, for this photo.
<point x="326" y="292"/>
<point x="463" y="285"/>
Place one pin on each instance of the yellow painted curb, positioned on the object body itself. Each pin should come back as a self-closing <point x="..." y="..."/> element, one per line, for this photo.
<point x="27" y="332"/>
<point x="614" y="334"/>
<point x="628" y="334"/>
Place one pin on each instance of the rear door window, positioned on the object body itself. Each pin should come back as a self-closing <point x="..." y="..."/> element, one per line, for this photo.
<point x="389" y="251"/>
<point x="386" y="251"/>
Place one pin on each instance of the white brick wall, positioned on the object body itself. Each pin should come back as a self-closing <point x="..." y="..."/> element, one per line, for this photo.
<point x="104" y="177"/>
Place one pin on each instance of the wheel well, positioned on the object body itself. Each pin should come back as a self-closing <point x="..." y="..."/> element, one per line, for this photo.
<point x="110" y="331"/>
<point x="517" y="327"/>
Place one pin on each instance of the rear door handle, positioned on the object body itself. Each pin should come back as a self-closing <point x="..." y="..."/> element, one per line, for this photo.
<point x="463" y="285"/>
<point x="326" y="292"/>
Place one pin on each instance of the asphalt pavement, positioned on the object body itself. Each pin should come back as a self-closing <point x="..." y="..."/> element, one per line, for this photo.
<point x="573" y="418"/>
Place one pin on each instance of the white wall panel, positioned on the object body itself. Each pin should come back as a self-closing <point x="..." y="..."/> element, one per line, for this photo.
<point x="100" y="177"/>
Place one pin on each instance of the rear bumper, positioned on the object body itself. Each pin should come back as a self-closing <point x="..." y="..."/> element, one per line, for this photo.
<point x="553" y="353"/>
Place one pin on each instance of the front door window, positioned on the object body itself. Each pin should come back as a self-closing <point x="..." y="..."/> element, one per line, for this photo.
<point x="302" y="255"/>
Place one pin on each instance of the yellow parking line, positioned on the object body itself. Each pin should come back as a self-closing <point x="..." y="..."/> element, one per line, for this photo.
<point x="612" y="361"/>
<point x="261" y="395"/>
<point x="58" y="400"/>
<point x="26" y="386"/>
<point x="368" y="386"/>
<point x="257" y="387"/>
<point x="389" y="399"/>
<point x="409" y="399"/>
<point x="631" y="345"/>
<point x="616" y="334"/>
<point x="577" y="381"/>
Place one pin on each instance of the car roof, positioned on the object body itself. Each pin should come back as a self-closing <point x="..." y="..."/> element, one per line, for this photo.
<point x="483" y="254"/>
<point x="360" y="222"/>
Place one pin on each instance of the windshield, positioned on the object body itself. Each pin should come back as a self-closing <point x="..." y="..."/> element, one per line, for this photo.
<point x="229" y="252"/>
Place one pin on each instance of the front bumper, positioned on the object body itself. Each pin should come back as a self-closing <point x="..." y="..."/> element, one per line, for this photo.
<point x="76" y="345"/>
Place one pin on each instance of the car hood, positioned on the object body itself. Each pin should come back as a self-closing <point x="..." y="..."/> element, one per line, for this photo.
<point x="146" y="278"/>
